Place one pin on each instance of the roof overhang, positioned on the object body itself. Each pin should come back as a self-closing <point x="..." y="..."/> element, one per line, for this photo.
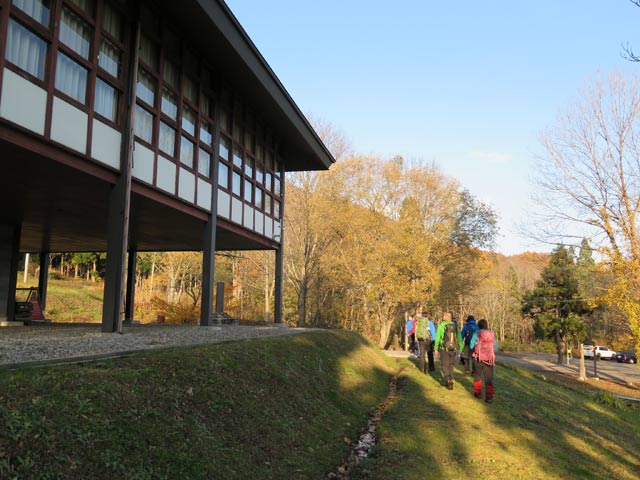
<point x="211" y="23"/>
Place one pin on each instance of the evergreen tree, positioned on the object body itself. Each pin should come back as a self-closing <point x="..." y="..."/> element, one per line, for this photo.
<point x="555" y="303"/>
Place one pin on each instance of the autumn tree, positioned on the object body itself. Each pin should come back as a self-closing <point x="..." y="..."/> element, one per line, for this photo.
<point x="555" y="303"/>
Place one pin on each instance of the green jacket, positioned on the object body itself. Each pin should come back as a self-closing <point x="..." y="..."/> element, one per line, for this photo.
<point x="440" y="336"/>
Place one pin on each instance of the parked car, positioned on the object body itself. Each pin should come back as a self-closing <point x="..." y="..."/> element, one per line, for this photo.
<point x="626" y="357"/>
<point x="599" y="351"/>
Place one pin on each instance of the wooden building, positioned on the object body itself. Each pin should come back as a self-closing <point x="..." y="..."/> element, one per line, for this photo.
<point x="134" y="125"/>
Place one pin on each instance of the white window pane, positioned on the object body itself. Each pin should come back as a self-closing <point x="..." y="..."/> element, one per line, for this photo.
<point x="237" y="183"/>
<point x="169" y="104"/>
<point x="186" y="152"/>
<point x="26" y="50"/>
<point x="248" y="191"/>
<point x="146" y="87"/>
<point x="204" y="163"/>
<point x="144" y="124"/>
<point x="71" y="78"/>
<point x="189" y="121"/>
<point x="106" y="102"/>
<point x="224" y="148"/>
<point x="167" y="139"/>
<point x="109" y="58"/>
<point x="223" y="175"/>
<point x="36" y="9"/>
<point x="75" y="33"/>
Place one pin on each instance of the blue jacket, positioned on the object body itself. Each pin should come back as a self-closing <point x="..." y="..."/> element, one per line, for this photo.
<point x="471" y="326"/>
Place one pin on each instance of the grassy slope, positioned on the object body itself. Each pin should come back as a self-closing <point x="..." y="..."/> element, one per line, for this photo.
<point x="269" y="408"/>
<point x="534" y="429"/>
<point x="280" y="408"/>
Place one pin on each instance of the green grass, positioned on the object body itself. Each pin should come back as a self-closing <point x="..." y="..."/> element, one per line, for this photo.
<point x="269" y="408"/>
<point x="281" y="408"/>
<point x="534" y="429"/>
<point x="71" y="300"/>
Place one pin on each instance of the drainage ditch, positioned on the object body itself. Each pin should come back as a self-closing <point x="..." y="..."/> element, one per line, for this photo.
<point x="360" y="450"/>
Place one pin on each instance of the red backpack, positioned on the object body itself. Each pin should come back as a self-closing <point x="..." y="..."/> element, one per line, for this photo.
<point x="484" y="348"/>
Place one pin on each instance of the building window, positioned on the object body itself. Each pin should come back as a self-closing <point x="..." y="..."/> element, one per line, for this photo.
<point x="276" y="209"/>
<point x="267" y="204"/>
<point x="144" y="124"/>
<point x="109" y="58"/>
<point x="169" y="104"/>
<point x="190" y="90"/>
<point x="167" y="139"/>
<point x="75" y="33"/>
<point x="170" y="73"/>
<point x="146" y="87"/>
<point x="223" y="175"/>
<point x="106" y="103"/>
<point x="248" y="191"/>
<point x="259" y="198"/>
<point x="189" y="121"/>
<point x="71" y="78"/>
<point x="112" y="22"/>
<point x="148" y="52"/>
<point x="267" y="181"/>
<point x="186" y="152"/>
<point x="237" y="157"/>
<point x="248" y="167"/>
<point x="224" y="148"/>
<point x="26" y="50"/>
<point x="276" y="186"/>
<point x="87" y="6"/>
<point x="205" y="133"/>
<point x="204" y="163"/>
<point x="237" y="184"/>
<point x="36" y="9"/>
<point x="259" y="173"/>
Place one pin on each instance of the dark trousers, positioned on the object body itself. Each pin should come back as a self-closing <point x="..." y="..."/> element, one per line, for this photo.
<point x="447" y="362"/>
<point x="426" y="350"/>
<point x="481" y="369"/>
<point x="468" y="361"/>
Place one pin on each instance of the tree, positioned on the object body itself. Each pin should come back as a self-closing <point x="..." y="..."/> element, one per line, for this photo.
<point x="555" y="302"/>
<point x="589" y="176"/>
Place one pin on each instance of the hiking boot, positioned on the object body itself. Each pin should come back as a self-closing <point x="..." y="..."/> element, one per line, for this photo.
<point x="489" y="400"/>
<point x="449" y="384"/>
<point x="477" y="395"/>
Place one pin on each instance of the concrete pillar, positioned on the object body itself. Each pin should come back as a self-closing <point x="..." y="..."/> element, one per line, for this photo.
<point x="220" y="297"/>
<point x="130" y="294"/>
<point x="9" y="259"/>
<point x="43" y="280"/>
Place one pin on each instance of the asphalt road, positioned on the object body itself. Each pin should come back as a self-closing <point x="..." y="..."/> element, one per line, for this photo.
<point x="607" y="369"/>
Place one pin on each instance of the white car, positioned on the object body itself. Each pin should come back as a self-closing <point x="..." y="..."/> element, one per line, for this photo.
<point x="599" y="351"/>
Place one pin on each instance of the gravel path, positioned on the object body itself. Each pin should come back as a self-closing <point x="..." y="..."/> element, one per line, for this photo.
<point x="72" y="343"/>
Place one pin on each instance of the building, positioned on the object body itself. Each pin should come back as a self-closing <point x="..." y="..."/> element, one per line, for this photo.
<point x="116" y="119"/>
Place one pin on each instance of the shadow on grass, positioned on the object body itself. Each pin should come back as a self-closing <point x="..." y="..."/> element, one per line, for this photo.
<point x="269" y="408"/>
<point x="533" y="429"/>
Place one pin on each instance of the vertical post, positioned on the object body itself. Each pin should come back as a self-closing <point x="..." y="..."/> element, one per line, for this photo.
<point x="25" y="276"/>
<point x="129" y="305"/>
<point x="119" y="203"/>
<point x="583" y="370"/>
<point x="220" y="297"/>
<point x="9" y="259"/>
<point x="43" y="279"/>
<point x="209" y="243"/>
<point x="279" y="267"/>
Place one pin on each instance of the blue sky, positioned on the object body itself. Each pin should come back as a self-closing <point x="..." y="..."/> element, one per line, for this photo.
<point x="466" y="84"/>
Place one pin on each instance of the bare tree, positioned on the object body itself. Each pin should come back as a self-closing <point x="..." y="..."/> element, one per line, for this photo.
<point x="589" y="176"/>
<point x="627" y="50"/>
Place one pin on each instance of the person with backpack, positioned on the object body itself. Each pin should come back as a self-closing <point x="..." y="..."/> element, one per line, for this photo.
<point x="425" y="333"/>
<point x="470" y="327"/>
<point x="484" y="345"/>
<point x="448" y="344"/>
<point x="411" y="328"/>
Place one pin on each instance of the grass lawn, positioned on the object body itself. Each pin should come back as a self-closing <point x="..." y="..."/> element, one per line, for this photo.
<point x="287" y="408"/>
<point x="533" y="429"/>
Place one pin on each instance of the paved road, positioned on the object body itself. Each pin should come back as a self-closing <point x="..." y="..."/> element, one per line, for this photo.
<point x="619" y="372"/>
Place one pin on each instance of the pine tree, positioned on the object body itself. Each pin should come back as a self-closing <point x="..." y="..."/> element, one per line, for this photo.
<point x="555" y="303"/>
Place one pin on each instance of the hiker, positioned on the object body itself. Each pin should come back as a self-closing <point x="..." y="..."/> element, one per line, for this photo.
<point x="470" y="327"/>
<point x="448" y="344"/>
<point x="411" y="328"/>
<point x="568" y="354"/>
<point x="484" y="345"/>
<point x="425" y="333"/>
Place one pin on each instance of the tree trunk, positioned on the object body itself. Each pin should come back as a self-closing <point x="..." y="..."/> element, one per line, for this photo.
<point x="560" y="346"/>
<point x="302" y="303"/>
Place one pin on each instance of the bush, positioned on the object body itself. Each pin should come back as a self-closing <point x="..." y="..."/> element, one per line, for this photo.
<point x="607" y="399"/>
<point x="541" y="346"/>
<point x="177" y="313"/>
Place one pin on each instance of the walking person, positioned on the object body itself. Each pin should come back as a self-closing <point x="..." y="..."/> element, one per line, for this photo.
<point x="425" y="333"/>
<point x="470" y="327"/>
<point x="484" y="345"/>
<point x="411" y="328"/>
<point x="448" y="344"/>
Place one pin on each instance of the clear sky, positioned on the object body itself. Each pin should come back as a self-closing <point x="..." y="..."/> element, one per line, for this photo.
<point x="466" y="84"/>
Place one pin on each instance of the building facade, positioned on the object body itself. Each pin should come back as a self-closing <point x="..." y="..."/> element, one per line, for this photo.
<point x="137" y="125"/>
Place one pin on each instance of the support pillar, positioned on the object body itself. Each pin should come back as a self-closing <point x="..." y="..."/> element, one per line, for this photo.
<point x="130" y="295"/>
<point x="9" y="259"/>
<point x="209" y="240"/>
<point x="119" y="203"/>
<point x="220" y="297"/>
<point x="43" y="280"/>
<point x="279" y="267"/>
